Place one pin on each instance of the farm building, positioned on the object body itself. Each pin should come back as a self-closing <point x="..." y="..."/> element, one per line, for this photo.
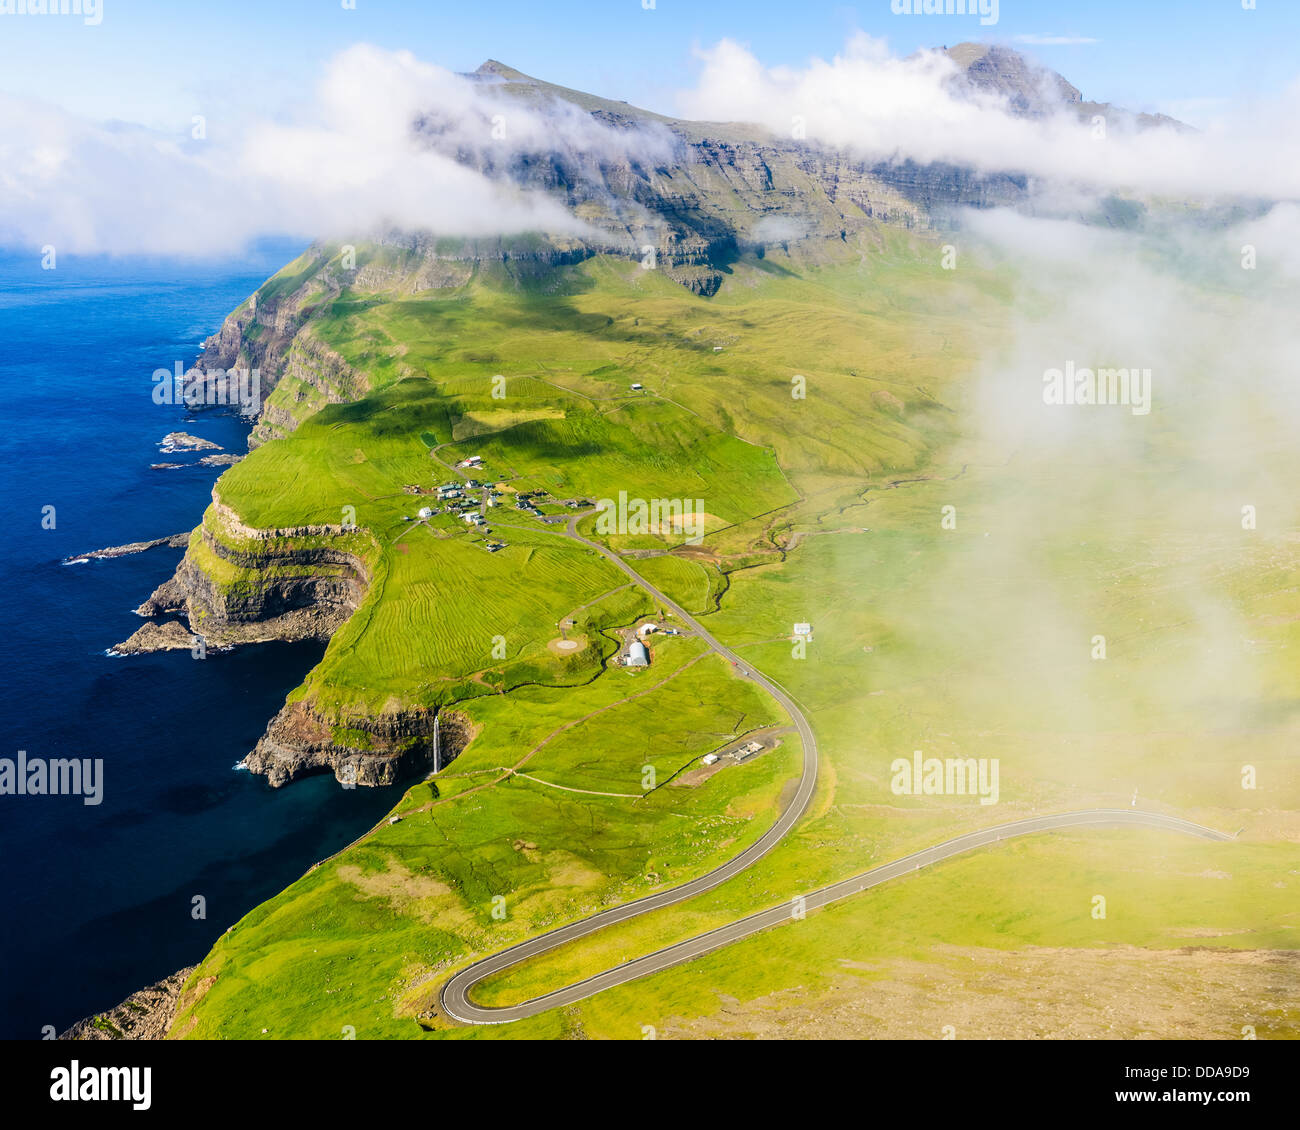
<point x="637" y="656"/>
<point x="804" y="630"/>
<point x="646" y="629"/>
<point x="425" y="512"/>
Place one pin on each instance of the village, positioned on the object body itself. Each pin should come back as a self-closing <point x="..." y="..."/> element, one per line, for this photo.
<point x="470" y="499"/>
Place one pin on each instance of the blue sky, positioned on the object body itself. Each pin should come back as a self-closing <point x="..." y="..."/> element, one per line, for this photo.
<point x="159" y="62"/>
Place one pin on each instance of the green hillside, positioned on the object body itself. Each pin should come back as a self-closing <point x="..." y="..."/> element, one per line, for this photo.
<point x="583" y="786"/>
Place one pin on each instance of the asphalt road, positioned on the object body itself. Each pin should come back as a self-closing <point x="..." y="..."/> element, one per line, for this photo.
<point x="455" y="993"/>
<point x="455" y="999"/>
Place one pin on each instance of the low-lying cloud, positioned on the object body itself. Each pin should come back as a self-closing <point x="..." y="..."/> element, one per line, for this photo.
<point x="892" y="108"/>
<point x="380" y="147"/>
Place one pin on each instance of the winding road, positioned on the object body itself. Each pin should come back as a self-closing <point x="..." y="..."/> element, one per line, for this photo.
<point x="455" y="995"/>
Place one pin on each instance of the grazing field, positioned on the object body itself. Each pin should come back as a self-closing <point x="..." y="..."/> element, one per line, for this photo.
<point x="692" y="584"/>
<point x="1000" y="944"/>
<point x="1090" y="617"/>
<point x="363" y="939"/>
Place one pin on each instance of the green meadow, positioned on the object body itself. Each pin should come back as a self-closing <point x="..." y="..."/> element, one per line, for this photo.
<point x="1111" y="639"/>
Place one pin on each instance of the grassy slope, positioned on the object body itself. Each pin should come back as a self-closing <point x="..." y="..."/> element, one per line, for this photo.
<point x="913" y="649"/>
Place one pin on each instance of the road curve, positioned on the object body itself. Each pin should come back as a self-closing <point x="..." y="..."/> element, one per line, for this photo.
<point x="455" y="994"/>
<point x="455" y="998"/>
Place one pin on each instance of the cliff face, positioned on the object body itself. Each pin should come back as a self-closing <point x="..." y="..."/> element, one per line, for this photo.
<point x="270" y="334"/>
<point x="372" y="749"/>
<point x="144" y="1015"/>
<point x="694" y="198"/>
<point x="272" y="587"/>
<point x="238" y="584"/>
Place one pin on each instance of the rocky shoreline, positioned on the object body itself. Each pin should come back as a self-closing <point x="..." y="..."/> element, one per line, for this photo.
<point x="176" y="541"/>
<point x="183" y="441"/>
<point x="379" y="749"/>
<point x="293" y="585"/>
<point x="144" y="1015"/>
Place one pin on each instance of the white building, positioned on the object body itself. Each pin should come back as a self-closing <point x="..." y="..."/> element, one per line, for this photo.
<point x="804" y="630"/>
<point x="637" y="656"/>
<point x="425" y="512"/>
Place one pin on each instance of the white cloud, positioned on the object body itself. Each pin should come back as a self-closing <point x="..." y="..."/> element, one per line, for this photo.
<point x="350" y="164"/>
<point x="886" y="107"/>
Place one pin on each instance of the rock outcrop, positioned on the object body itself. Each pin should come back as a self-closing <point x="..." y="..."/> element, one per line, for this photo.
<point x="176" y="541"/>
<point x="284" y="591"/>
<point x="240" y="584"/>
<point x="183" y="441"/>
<point x="144" y="1015"/>
<point x="371" y="749"/>
<point x="151" y="637"/>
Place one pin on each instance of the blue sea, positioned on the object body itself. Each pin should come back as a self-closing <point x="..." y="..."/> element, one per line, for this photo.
<point x="99" y="900"/>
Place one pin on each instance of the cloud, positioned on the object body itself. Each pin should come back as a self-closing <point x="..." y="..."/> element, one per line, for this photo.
<point x="1091" y="519"/>
<point x="388" y="141"/>
<point x="890" y="108"/>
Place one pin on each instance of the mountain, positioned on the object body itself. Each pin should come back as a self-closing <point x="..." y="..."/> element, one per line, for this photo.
<point x="714" y="189"/>
<point x="695" y="198"/>
<point x="1030" y="90"/>
<point x="1034" y="91"/>
<point x="795" y="368"/>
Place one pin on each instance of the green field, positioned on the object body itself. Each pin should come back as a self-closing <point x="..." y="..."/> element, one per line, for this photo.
<point x="974" y="639"/>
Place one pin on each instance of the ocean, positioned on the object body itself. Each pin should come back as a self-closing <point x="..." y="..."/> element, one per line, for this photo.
<point x="101" y="900"/>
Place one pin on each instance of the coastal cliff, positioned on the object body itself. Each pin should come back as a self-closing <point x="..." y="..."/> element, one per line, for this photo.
<point x="237" y="585"/>
<point x="367" y="749"/>
<point x="144" y="1015"/>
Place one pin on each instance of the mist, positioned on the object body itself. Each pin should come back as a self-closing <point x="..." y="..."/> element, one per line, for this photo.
<point x="386" y="141"/>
